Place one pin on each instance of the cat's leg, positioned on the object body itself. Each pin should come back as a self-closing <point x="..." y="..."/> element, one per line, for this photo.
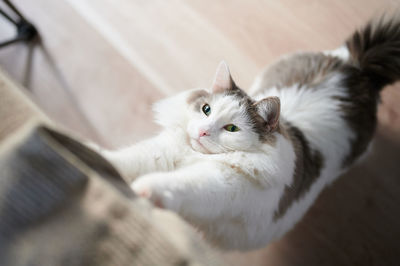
<point x="154" y="154"/>
<point x="204" y="190"/>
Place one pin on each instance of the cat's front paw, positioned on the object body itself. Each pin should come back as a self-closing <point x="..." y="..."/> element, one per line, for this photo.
<point x="155" y="188"/>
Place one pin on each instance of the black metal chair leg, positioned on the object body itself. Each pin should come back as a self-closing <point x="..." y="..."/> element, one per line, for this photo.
<point x="26" y="31"/>
<point x="16" y="11"/>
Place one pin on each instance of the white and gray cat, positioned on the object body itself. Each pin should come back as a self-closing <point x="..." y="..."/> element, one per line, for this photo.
<point x="244" y="168"/>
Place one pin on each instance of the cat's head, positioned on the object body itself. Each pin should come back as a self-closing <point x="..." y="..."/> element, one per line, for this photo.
<point x="226" y="119"/>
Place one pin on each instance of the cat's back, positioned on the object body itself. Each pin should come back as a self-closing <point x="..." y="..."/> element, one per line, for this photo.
<point x="309" y="86"/>
<point x="300" y="70"/>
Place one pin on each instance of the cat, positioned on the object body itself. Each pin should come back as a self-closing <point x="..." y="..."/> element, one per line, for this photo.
<point x="244" y="168"/>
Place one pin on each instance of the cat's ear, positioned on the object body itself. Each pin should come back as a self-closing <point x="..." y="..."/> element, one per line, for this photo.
<point x="270" y="109"/>
<point x="223" y="80"/>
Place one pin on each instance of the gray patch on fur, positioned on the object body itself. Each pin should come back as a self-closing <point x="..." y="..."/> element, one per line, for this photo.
<point x="303" y="69"/>
<point x="197" y="98"/>
<point x="308" y="165"/>
<point x="260" y="126"/>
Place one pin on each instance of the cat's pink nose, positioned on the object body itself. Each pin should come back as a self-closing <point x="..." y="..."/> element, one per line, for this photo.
<point x="203" y="133"/>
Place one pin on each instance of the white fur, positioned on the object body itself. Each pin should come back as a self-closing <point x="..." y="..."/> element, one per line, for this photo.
<point x="342" y="52"/>
<point x="229" y="184"/>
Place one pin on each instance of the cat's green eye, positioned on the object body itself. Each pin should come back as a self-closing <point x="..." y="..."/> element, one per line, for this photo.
<point x="231" y="128"/>
<point x="206" y="109"/>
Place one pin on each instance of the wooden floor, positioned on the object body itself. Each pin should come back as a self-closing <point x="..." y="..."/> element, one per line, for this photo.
<point x="101" y="64"/>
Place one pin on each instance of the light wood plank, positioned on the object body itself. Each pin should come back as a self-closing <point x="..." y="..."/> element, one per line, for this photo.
<point x="265" y="30"/>
<point x="179" y="47"/>
<point x="107" y="87"/>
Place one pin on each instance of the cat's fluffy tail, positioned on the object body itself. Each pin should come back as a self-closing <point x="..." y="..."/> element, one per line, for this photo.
<point x="375" y="51"/>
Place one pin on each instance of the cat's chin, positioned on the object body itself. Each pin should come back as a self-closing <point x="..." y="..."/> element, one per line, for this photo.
<point x="197" y="146"/>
